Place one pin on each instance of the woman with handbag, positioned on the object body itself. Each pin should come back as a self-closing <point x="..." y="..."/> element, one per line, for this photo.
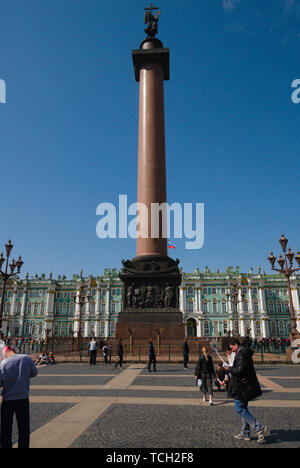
<point x="205" y="375"/>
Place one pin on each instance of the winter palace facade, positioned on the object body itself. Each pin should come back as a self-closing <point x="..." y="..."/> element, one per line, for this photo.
<point x="34" y="304"/>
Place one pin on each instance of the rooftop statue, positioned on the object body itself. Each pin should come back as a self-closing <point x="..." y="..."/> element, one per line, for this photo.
<point x="151" y="21"/>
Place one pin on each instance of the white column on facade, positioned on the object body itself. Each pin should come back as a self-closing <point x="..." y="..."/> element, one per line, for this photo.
<point x="229" y="307"/>
<point x="241" y="313"/>
<point x="200" y="300"/>
<point x="265" y="327"/>
<point x="107" y="310"/>
<point x="200" y="331"/>
<point x="196" y="300"/>
<point x="77" y="311"/>
<point x="107" y="300"/>
<point x="295" y="297"/>
<point x="23" y="311"/>
<point x="49" y="316"/>
<point x="253" y="334"/>
<point x="250" y="300"/>
<point x="87" y="315"/>
<point x="11" y="317"/>
<point x="182" y="299"/>
<point x="262" y="300"/>
<point x="98" y="310"/>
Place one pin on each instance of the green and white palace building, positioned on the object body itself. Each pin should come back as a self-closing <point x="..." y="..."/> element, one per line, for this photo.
<point x="34" y="304"/>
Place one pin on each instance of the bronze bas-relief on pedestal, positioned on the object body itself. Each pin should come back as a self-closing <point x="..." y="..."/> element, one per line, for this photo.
<point x="150" y="284"/>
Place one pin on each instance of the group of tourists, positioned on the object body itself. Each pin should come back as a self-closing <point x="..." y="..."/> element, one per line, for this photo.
<point x="238" y="377"/>
<point x="105" y="349"/>
<point x="45" y="359"/>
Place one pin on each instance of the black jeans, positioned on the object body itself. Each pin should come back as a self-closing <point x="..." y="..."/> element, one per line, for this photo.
<point x="120" y="360"/>
<point x="152" y="359"/>
<point x="8" y="409"/>
<point x="185" y="359"/>
<point x="93" y="355"/>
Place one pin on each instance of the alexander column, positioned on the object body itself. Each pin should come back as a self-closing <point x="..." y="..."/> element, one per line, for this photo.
<point x="151" y="280"/>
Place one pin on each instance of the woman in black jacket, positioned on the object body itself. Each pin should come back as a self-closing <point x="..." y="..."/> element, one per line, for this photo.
<point x="244" y="387"/>
<point x="206" y="372"/>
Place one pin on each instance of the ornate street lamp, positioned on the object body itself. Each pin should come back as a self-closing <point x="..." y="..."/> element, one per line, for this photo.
<point x="287" y="269"/>
<point x="6" y="275"/>
<point x="80" y="299"/>
<point x="233" y="297"/>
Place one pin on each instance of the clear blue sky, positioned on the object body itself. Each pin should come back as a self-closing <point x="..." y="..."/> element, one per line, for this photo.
<point x="68" y="132"/>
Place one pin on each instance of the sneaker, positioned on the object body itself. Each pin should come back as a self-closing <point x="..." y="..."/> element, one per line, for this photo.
<point x="242" y="437"/>
<point x="261" y="435"/>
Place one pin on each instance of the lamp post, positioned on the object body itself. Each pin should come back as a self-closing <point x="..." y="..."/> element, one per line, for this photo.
<point x="286" y="264"/>
<point x="6" y="275"/>
<point x="80" y="299"/>
<point x="233" y="297"/>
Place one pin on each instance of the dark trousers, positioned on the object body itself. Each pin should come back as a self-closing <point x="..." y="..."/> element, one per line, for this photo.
<point x="21" y="409"/>
<point x="185" y="359"/>
<point x="152" y="359"/>
<point x="120" y="360"/>
<point x="93" y="355"/>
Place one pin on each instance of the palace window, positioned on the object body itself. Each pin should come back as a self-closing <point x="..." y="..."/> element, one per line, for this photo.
<point x="190" y="291"/>
<point x="206" y="328"/>
<point x="18" y="309"/>
<point x="215" y="307"/>
<point x="281" y="328"/>
<point x="190" y="306"/>
<point x="113" y="328"/>
<point x="56" y="327"/>
<point x="224" y="307"/>
<point x="273" y="329"/>
<point x="271" y="307"/>
<point x="279" y="307"/>
<point x="72" y="309"/>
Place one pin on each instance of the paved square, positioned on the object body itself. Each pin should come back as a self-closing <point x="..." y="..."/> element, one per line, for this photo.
<point x="76" y="405"/>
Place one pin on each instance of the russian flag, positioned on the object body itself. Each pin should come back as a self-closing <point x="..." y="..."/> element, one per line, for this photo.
<point x="172" y="246"/>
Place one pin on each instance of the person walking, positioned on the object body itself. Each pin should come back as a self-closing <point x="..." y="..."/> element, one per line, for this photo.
<point x="105" y="353"/>
<point x="244" y="387"/>
<point x="152" y="357"/>
<point x="16" y="370"/>
<point x="205" y="371"/>
<point x="120" y="353"/>
<point x="185" y="352"/>
<point x="93" y="345"/>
